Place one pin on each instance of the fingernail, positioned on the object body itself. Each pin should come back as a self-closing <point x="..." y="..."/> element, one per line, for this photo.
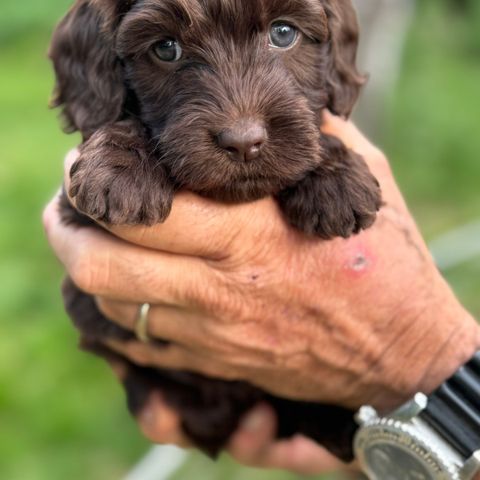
<point x="256" y="420"/>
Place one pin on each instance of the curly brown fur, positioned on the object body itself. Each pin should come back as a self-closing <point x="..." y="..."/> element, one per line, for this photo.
<point x="151" y="128"/>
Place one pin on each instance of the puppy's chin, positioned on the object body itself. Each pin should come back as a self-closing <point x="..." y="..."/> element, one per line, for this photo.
<point x="245" y="189"/>
<point x="234" y="186"/>
<point x="224" y="180"/>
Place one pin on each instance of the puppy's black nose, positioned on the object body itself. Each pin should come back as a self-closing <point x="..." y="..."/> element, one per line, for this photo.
<point x="244" y="141"/>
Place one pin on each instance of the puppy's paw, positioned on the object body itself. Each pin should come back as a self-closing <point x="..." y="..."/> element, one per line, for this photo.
<point x="115" y="184"/>
<point x="332" y="203"/>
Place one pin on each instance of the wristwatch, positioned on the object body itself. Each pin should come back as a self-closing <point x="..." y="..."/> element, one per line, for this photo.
<point x="429" y="438"/>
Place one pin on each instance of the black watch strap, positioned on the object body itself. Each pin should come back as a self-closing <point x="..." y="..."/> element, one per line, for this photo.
<point x="453" y="410"/>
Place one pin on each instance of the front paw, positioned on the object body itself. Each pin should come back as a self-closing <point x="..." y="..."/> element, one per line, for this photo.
<point x="333" y="203"/>
<point x="119" y="187"/>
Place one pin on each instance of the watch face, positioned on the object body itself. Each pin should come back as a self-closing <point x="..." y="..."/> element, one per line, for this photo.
<point x="393" y="463"/>
<point x="391" y="450"/>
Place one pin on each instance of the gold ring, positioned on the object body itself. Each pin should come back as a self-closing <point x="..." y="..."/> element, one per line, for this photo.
<point x="141" y="324"/>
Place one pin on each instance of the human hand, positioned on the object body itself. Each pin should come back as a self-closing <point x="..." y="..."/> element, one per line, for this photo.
<point x="242" y="296"/>
<point x="326" y="321"/>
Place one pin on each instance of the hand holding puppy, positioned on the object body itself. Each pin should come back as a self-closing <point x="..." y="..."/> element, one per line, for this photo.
<point x="365" y="320"/>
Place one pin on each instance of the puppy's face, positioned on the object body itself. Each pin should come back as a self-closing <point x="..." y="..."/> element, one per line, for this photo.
<point x="230" y="90"/>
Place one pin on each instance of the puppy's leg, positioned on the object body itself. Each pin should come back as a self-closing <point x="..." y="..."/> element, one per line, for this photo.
<point x="338" y="199"/>
<point x="116" y="181"/>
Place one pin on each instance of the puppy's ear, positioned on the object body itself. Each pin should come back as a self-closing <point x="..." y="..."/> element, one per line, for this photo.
<point x="89" y="78"/>
<point x="343" y="79"/>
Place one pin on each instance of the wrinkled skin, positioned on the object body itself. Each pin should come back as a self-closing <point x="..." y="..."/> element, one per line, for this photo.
<point x="409" y="331"/>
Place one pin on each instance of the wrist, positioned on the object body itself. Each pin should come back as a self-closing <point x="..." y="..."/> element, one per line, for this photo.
<point x="458" y="349"/>
<point x="439" y="337"/>
<point x="435" y="436"/>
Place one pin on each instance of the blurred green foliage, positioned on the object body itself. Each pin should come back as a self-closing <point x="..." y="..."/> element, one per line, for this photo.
<point x="433" y="138"/>
<point x="62" y="414"/>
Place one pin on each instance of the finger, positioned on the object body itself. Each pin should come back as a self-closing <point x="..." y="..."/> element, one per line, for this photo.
<point x="174" y="357"/>
<point x="124" y="314"/>
<point x="165" y="322"/>
<point x="161" y="424"/>
<point x="196" y="225"/>
<point x="103" y="265"/>
<point x="300" y="455"/>
<point x="254" y="436"/>
<point x="254" y="445"/>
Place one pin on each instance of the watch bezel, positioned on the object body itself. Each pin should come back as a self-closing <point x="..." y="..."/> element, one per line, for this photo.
<point x="413" y="439"/>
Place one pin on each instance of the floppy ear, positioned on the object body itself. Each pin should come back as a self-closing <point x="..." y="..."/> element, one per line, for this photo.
<point x="343" y="79"/>
<point x="89" y="77"/>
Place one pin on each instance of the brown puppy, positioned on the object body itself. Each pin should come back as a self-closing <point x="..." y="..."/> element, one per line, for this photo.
<point x="224" y="98"/>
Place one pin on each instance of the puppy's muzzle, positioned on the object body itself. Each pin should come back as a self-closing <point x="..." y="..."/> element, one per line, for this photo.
<point x="244" y="141"/>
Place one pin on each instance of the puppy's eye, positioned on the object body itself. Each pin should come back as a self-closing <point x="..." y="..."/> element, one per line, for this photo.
<point x="168" y="50"/>
<point x="282" y="35"/>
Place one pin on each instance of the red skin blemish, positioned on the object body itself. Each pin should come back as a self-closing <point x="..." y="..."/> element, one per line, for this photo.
<point x="358" y="260"/>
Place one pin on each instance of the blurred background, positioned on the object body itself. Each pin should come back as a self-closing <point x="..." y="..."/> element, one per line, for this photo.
<point x="61" y="413"/>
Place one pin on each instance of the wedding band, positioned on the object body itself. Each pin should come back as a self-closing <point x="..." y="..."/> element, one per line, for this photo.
<point x="141" y="324"/>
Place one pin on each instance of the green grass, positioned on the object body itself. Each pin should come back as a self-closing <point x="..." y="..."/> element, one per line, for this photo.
<point x="61" y="413"/>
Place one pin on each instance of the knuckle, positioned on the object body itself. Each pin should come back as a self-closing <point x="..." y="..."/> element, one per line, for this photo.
<point x="86" y="271"/>
<point x="81" y="274"/>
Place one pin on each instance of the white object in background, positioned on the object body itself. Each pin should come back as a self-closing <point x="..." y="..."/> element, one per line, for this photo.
<point x="158" y="464"/>
<point x="457" y="246"/>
